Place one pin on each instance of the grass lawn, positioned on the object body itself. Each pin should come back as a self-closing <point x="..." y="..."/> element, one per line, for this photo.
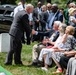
<point x="26" y="59"/>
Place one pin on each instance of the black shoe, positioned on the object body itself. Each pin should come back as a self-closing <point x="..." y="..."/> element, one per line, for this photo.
<point x="19" y="63"/>
<point x="37" y="63"/>
<point x="40" y="64"/>
<point x="34" y="63"/>
<point x="7" y="63"/>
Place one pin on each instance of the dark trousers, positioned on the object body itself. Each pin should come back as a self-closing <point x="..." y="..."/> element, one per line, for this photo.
<point x="28" y="38"/>
<point x="36" y="26"/>
<point x="15" y="49"/>
<point x="64" y="61"/>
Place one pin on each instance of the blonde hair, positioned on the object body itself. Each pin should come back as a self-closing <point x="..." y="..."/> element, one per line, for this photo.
<point x="71" y="30"/>
<point x="71" y="10"/>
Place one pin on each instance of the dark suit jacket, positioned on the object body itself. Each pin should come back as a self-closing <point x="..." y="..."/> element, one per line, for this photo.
<point x="20" y="24"/>
<point x="35" y="18"/>
<point x="49" y="34"/>
<point x="66" y="16"/>
<point x="35" y="14"/>
<point x="58" y="17"/>
<point x="56" y="36"/>
<point x="44" y="17"/>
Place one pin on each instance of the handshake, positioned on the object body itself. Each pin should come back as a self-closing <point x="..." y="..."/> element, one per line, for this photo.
<point x="34" y="32"/>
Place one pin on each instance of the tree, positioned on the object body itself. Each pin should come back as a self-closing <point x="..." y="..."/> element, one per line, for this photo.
<point x="50" y="1"/>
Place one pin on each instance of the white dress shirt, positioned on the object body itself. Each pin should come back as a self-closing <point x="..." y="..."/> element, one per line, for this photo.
<point x="18" y="8"/>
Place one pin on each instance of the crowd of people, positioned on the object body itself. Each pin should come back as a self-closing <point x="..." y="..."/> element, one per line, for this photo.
<point x="54" y="28"/>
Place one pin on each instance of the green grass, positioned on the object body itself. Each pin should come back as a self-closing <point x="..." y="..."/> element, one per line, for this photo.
<point x="26" y="59"/>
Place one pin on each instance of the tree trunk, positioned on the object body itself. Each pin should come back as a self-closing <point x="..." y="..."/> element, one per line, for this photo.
<point x="48" y="1"/>
<point x="42" y="1"/>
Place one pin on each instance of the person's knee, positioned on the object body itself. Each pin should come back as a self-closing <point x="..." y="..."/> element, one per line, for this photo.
<point x="35" y="47"/>
<point x="41" y="47"/>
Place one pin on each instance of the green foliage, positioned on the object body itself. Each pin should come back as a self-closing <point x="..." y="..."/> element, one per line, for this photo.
<point x="17" y="1"/>
<point x="34" y="2"/>
<point x="61" y="3"/>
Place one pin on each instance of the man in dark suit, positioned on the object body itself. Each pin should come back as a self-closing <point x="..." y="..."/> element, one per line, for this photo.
<point x="46" y="10"/>
<point x="19" y="26"/>
<point x="54" y="16"/>
<point x="36" y="20"/>
<point x="45" y="15"/>
<point x="36" y="13"/>
<point x="42" y="18"/>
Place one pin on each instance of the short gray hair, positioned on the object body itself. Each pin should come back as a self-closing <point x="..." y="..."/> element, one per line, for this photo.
<point x="58" y="23"/>
<point x="29" y="6"/>
<point x="55" y="5"/>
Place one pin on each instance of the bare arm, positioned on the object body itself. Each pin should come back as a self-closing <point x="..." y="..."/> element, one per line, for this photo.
<point x="64" y="38"/>
<point x="73" y="52"/>
<point x="58" y="50"/>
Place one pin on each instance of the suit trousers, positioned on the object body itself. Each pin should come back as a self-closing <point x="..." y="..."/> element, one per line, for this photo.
<point x="28" y="38"/>
<point x="36" y="51"/>
<point x="15" y="49"/>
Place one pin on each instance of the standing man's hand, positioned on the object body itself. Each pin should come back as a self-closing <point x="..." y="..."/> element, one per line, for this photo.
<point x="30" y="23"/>
<point x="33" y="32"/>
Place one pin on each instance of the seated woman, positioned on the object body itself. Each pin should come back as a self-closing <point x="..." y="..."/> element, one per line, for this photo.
<point x="64" y="61"/>
<point x="67" y="42"/>
<point x="45" y="52"/>
<point x="72" y="18"/>
<point x="69" y="35"/>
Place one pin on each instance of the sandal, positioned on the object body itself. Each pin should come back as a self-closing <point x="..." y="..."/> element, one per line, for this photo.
<point x="59" y="70"/>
